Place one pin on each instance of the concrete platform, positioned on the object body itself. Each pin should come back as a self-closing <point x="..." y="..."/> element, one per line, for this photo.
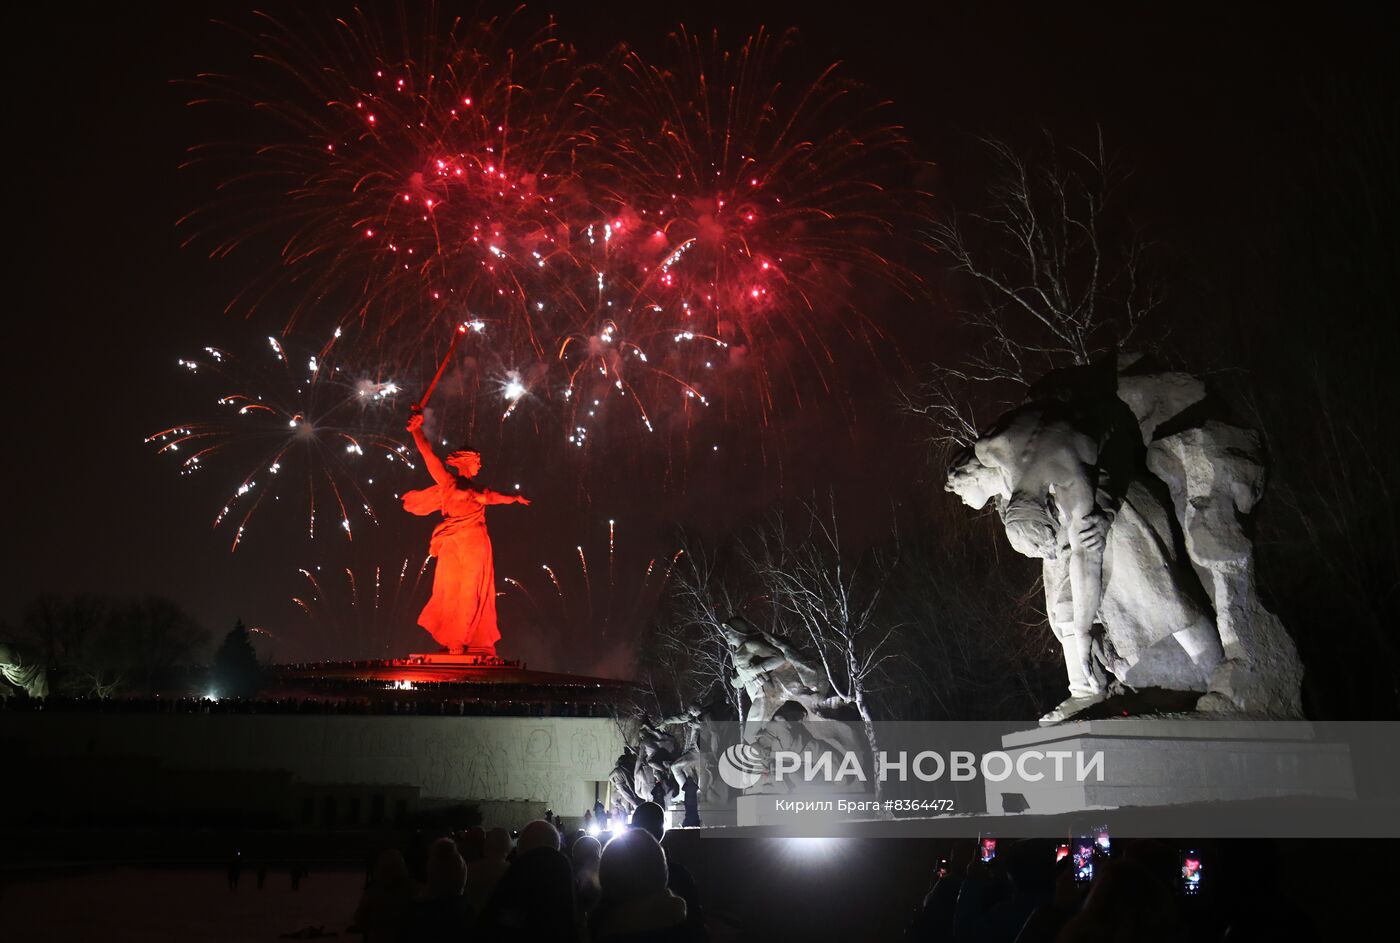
<point x="1171" y="761"/>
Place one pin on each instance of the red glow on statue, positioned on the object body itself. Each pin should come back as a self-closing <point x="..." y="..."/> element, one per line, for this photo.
<point x="461" y="615"/>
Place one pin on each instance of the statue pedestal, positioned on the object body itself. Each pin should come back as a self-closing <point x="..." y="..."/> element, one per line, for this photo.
<point x="472" y="658"/>
<point x="1164" y="761"/>
<point x="711" y="816"/>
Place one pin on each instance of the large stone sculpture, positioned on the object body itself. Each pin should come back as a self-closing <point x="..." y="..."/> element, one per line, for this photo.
<point x="773" y="674"/>
<point x="1131" y="490"/>
<point x="29" y="676"/>
<point x="461" y="614"/>
<point x="657" y="750"/>
<point x="623" y="781"/>
<point x="699" y="756"/>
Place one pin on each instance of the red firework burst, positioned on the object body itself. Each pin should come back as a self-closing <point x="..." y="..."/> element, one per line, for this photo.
<point x="757" y="209"/>
<point x="707" y="234"/>
<point x="412" y="173"/>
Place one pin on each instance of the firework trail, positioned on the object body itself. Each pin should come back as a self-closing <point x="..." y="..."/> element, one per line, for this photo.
<point x="364" y="612"/>
<point x="291" y="417"/>
<point x="573" y="609"/>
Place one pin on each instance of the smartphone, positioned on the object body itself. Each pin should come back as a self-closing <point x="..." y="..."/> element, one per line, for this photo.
<point x="1061" y="851"/>
<point x="942" y="869"/>
<point x="1083" y="855"/>
<point x="1190" y="872"/>
<point x="1103" y="845"/>
<point x="986" y="848"/>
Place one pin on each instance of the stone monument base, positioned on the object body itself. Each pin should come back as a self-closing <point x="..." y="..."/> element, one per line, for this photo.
<point x="1171" y="761"/>
<point x="711" y="816"/>
<point x="472" y="658"/>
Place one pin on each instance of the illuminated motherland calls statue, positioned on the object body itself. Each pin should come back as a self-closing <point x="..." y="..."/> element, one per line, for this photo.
<point x="1131" y="484"/>
<point x="461" y="614"/>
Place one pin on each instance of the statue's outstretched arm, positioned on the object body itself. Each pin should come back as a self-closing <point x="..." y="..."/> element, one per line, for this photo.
<point x="430" y="460"/>
<point x="487" y="496"/>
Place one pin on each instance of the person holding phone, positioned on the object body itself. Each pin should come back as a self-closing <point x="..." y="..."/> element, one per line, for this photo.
<point x="1000" y="893"/>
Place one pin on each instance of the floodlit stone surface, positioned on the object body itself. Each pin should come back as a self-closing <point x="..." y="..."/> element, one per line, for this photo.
<point x="1133" y="487"/>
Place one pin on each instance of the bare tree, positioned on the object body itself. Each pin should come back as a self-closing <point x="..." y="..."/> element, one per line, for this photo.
<point x="61" y="630"/>
<point x="706" y="597"/>
<point x="973" y="642"/>
<point x="1059" y="276"/>
<point x="688" y="660"/>
<point x="831" y="596"/>
<point x="97" y="646"/>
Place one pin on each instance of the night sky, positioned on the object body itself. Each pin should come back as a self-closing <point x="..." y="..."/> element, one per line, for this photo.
<point x="1204" y="104"/>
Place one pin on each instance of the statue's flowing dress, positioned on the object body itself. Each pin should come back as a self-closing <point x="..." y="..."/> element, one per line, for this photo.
<point x="461" y="614"/>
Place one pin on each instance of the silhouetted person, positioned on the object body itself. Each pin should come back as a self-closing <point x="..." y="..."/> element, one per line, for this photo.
<point x="1124" y="903"/>
<point x="484" y="873"/>
<point x="636" y="906"/>
<point x="443" y="915"/>
<point x="586" y="854"/>
<point x="538" y="834"/>
<point x="933" y="920"/>
<point x="534" y="899"/>
<point x="385" y="903"/>
<point x="472" y="844"/>
<point x="995" y="902"/>
<point x="691" y="789"/>
<point x="649" y="818"/>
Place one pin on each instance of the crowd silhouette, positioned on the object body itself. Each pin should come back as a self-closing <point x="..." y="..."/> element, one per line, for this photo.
<point x="544" y="882"/>
<point x="407" y="704"/>
<point x="1037" y="891"/>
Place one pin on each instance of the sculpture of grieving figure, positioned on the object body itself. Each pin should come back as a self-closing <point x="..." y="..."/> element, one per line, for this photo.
<point x="779" y="735"/>
<point x="771" y="672"/>
<point x="1106" y="541"/>
<point x="623" y="781"/>
<point x="774" y="673"/>
<point x="699" y="753"/>
<point x="656" y="750"/>
<point x="31" y="678"/>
